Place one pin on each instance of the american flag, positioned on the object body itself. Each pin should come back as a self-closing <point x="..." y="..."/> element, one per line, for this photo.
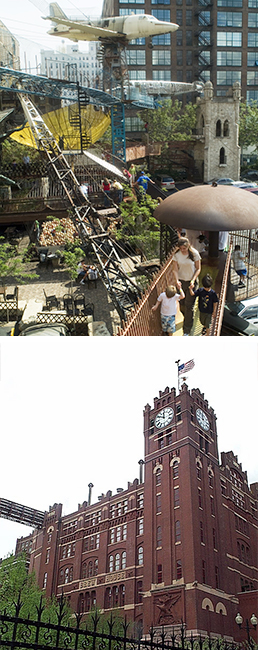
<point x="184" y="367"/>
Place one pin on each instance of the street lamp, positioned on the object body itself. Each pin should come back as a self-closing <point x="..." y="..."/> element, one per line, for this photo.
<point x="253" y="621"/>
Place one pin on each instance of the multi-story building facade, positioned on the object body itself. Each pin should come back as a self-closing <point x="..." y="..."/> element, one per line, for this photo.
<point x="179" y="546"/>
<point x="9" y="49"/>
<point x="73" y="64"/>
<point x="217" y="41"/>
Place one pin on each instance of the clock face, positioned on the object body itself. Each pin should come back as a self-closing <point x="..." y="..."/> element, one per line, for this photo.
<point x="164" y="417"/>
<point x="202" y="419"/>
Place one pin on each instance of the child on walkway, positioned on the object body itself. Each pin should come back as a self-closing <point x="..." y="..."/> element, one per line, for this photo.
<point x="168" y="300"/>
<point x="238" y="260"/>
<point x="208" y="300"/>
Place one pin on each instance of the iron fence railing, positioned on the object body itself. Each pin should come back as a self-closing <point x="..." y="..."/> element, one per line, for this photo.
<point x="93" y="633"/>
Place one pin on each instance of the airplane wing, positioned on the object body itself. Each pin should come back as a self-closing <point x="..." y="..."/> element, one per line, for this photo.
<point x="84" y="28"/>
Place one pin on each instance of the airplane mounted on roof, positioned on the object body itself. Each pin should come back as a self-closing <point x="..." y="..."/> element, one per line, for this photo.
<point x="118" y="28"/>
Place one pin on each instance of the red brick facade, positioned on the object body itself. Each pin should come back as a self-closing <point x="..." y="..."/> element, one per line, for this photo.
<point x="182" y="546"/>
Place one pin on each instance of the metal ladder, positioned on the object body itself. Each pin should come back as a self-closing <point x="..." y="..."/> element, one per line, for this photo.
<point x="123" y="291"/>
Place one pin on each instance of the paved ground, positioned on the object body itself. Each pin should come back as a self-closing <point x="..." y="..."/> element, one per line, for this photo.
<point x="56" y="281"/>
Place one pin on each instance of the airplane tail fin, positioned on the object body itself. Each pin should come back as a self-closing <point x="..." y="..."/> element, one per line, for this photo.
<point x="56" y="11"/>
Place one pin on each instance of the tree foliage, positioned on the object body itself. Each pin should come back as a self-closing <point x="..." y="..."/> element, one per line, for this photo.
<point x="139" y="228"/>
<point x="12" y="150"/>
<point x="248" y="124"/>
<point x="19" y="589"/>
<point x="11" y="264"/>
<point x="171" y="121"/>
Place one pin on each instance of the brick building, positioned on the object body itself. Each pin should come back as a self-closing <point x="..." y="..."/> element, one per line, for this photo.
<point x="179" y="546"/>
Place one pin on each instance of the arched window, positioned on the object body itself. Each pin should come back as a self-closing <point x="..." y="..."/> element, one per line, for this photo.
<point x="177" y="531"/>
<point x="175" y="469"/>
<point x="61" y="577"/>
<point x="90" y="569"/>
<point x="84" y="570"/>
<point x="87" y="601"/>
<point x="93" y="599"/>
<point x="218" y="129"/>
<point x="158" y="476"/>
<point x="226" y="129"/>
<point x="96" y="566"/>
<point x="108" y="598"/>
<point x="45" y="581"/>
<point x="115" y="596"/>
<point x="66" y="576"/>
<point x="111" y="563"/>
<point x="222" y="157"/>
<point x="123" y="560"/>
<point x="140" y="555"/>
<point x="117" y="562"/>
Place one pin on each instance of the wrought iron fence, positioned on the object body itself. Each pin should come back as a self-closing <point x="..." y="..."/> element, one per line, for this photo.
<point x="93" y="633"/>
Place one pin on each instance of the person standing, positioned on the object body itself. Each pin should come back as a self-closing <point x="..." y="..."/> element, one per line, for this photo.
<point x="132" y="170"/>
<point x="167" y="301"/>
<point x="239" y="264"/>
<point x="186" y="268"/>
<point x="106" y="188"/>
<point x="207" y="303"/>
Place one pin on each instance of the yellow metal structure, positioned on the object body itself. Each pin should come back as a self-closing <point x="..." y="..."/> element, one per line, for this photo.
<point x="94" y="124"/>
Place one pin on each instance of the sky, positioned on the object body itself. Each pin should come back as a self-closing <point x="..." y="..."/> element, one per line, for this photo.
<point x="24" y="21"/>
<point x="72" y="412"/>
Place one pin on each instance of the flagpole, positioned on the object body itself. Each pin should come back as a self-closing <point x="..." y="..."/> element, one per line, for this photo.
<point x="177" y="363"/>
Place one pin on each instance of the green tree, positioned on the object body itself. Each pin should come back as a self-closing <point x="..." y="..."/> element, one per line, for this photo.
<point x="12" y="150"/>
<point x="11" y="264"/>
<point x="248" y="124"/>
<point x="139" y="228"/>
<point x="19" y="592"/>
<point x="171" y="121"/>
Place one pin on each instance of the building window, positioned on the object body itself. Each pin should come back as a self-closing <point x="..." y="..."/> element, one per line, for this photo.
<point x="179" y="38"/>
<point x="200" y="498"/>
<point x="252" y="78"/>
<point x="158" y="503"/>
<point x="123" y="560"/>
<point x="251" y="96"/>
<point x="175" y="469"/>
<point x="140" y="496"/>
<point x="228" y="77"/>
<point x="96" y="566"/>
<point x="189" y="57"/>
<point x="121" y="595"/>
<point x="161" y="57"/>
<point x="204" y="38"/>
<point x="217" y="577"/>
<point x="135" y="57"/>
<point x="117" y="562"/>
<point x="201" y="532"/>
<point x="140" y="555"/>
<point x="179" y="57"/>
<point x="230" y="58"/>
<point x="161" y="14"/>
<point x="252" y="41"/>
<point x="45" y="581"/>
<point x="162" y="39"/>
<point x="136" y="75"/>
<point x="161" y="75"/>
<point x="158" y="477"/>
<point x="97" y="540"/>
<point x="214" y="537"/>
<point x="229" y="39"/>
<point x="139" y="592"/>
<point x="179" y="16"/>
<point x="253" y="20"/>
<point x="179" y="75"/>
<point x="140" y="526"/>
<point x="179" y="572"/>
<point x="177" y="531"/>
<point x="178" y="413"/>
<point x="188" y="17"/>
<point x="204" y="571"/>
<point x="229" y="19"/>
<point x="222" y="156"/>
<point x="111" y="563"/>
<point x="159" y="536"/>
<point x="47" y="555"/>
<point x="90" y="569"/>
<point x="176" y="497"/>
<point x="118" y="534"/>
<point x="212" y="506"/>
<point x="127" y="12"/>
<point x="124" y="535"/>
<point x="159" y="574"/>
<point x="204" y="18"/>
<point x="199" y="471"/>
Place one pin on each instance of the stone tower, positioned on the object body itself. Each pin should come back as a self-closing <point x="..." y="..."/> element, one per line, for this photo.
<point x="217" y="152"/>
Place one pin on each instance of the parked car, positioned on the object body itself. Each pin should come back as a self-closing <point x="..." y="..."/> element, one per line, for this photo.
<point x="222" y="181"/>
<point x="40" y="329"/>
<point x="241" y="318"/>
<point x="250" y="175"/>
<point x="245" y="186"/>
<point x="165" y="182"/>
<point x="254" y="190"/>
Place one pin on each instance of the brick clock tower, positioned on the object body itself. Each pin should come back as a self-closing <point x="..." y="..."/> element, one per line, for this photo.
<point x="186" y="576"/>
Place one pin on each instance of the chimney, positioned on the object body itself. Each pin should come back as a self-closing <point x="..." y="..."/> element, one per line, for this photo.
<point x="141" y="463"/>
<point x="90" y="486"/>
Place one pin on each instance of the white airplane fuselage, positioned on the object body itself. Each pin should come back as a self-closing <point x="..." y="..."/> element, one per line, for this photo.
<point x="125" y="28"/>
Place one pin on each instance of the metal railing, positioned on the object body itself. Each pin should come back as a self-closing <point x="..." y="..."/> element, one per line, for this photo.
<point x="93" y="634"/>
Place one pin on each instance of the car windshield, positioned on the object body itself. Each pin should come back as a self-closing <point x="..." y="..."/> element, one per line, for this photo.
<point x="167" y="179"/>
